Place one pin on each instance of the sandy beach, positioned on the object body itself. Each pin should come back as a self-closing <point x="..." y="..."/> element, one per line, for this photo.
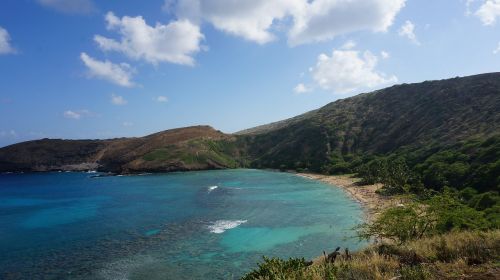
<point x="372" y="202"/>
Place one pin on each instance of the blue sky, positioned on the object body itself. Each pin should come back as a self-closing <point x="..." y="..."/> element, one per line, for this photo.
<point x="103" y="69"/>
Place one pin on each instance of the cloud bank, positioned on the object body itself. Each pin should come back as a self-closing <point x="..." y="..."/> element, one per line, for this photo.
<point x="305" y="21"/>
<point x="175" y="42"/>
<point x="346" y="71"/>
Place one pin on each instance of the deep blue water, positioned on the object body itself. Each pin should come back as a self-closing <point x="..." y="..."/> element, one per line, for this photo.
<point x="196" y="225"/>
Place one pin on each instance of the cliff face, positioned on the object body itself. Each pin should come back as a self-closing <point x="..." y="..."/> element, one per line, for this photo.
<point x="426" y="115"/>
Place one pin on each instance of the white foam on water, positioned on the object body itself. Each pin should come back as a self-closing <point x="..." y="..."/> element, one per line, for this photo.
<point x="211" y="188"/>
<point x="221" y="226"/>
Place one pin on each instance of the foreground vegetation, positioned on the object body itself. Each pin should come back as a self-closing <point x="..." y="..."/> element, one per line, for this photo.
<point x="439" y="230"/>
<point x="457" y="255"/>
<point x="433" y="236"/>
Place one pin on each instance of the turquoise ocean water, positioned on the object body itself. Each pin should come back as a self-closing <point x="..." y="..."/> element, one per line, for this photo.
<point x="196" y="225"/>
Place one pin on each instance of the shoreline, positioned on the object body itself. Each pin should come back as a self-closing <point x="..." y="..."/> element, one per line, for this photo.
<point x="371" y="202"/>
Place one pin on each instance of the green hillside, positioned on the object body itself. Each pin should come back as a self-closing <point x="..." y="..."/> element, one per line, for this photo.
<point x="447" y="131"/>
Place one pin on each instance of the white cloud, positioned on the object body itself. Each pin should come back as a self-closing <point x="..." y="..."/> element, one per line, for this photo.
<point x="324" y="19"/>
<point x="250" y="19"/>
<point x="120" y="74"/>
<point x="346" y="71"/>
<point x="126" y="124"/>
<point x="306" y="21"/>
<point x="72" y="115"/>
<point x="118" y="100"/>
<point x="408" y="30"/>
<point x="5" y="47"/>
<point x="385" y="55"/>
<point x="301" y="88"/>
<point x="497" y="50"/>
<point x="488" y="12"/>
<point x="348" y="45"/>
<point x="69" y="6"/>
<point x="78" y="114"/>
<point x="175" y="42"/>
<point x="161" y="99"/>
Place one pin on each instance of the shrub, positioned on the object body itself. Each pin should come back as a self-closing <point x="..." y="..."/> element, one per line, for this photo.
<point x="394" y="174"/>
<point x="275" y="268"/>
<point x="439" y="257"/>
<point x="439" y="214"/>
<point x="449" y="214"/>
<point x="400" y="224"/>
<point x="371" y="172"/>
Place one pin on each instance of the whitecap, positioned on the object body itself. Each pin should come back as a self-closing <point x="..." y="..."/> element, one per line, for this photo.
<point x="222" y="225"/>
<point x="211" y="188"/>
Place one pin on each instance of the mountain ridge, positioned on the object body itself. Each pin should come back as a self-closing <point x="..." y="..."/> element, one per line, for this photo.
<point x="413" y="121"/>
<point x="119" y="155"/>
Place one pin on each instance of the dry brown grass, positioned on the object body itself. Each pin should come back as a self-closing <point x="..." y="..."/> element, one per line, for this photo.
<point x="461" y="255"/>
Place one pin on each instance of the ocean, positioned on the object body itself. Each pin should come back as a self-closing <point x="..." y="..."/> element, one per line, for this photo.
<point x="194" y="225"/>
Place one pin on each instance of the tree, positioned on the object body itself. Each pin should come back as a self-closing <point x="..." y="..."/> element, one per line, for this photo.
<point x="399" y="224"/>
<point x="372" y="172"/>
<point x="396" y="177"/>
<point x="415" y="219"/>
<point x="451" y="214"/>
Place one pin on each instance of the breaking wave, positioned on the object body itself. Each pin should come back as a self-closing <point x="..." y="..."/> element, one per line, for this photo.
<point x="221" y="226"/>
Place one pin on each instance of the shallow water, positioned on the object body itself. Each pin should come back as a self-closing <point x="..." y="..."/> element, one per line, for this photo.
<point x="196" y="225"/>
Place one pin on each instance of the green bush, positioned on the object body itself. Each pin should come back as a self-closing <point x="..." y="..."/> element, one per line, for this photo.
<point x="393" y="173"/>
<point x="413" y="220"/>
<point x="485" y="200"/>
<point x="275" y="268"/>
<point x="439" y="257"/>
<point x="400" y="224"/>
<point x="449" y="214"/>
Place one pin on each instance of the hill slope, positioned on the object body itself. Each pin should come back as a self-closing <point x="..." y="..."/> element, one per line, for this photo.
<point x="190" y="148"/>
<point x="413" y="120"/>
<point x="442" y="125"/>
<point x="442" y="112"/>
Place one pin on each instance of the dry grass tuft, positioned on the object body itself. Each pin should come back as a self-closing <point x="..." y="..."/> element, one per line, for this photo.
<point x="459" y="255"/>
